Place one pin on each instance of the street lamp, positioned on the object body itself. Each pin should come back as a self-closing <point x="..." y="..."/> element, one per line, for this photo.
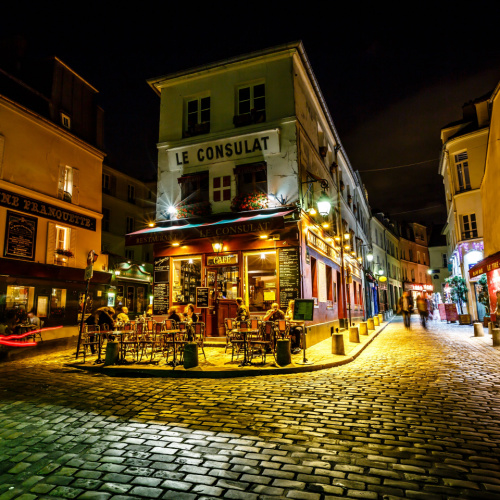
<point x="324" y="203"/>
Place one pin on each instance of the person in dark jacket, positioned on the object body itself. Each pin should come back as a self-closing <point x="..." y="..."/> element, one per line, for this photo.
<point x="172" y="314"/>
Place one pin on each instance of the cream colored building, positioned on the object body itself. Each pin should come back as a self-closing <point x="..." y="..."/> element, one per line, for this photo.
<point x="462" y="168"/>
<point x="50" y="197"/>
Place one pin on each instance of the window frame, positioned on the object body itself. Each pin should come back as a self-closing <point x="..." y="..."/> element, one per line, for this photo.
<point x="471" y="233"/>
<point x="462" y="169"/>
<point x="223" y="190"/>
<point x="199" y="125"/>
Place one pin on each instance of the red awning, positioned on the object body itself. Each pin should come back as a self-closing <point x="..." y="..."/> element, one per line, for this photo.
<point x="485" y="266"/>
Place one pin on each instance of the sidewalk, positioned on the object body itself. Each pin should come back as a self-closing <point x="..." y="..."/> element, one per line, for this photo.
<point x="218" y="364"/>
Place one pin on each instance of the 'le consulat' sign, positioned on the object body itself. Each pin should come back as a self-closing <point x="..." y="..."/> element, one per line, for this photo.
<point x="243" y="146"/>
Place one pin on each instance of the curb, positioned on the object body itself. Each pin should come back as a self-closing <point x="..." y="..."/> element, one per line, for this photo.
<point x="123" y="371"/>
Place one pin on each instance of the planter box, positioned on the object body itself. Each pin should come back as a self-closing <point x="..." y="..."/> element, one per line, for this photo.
<point x="464" y="319"/>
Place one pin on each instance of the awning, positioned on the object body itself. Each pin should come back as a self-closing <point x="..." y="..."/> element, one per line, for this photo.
<point x="485" y="266"/>
<point x="201" y="228"/>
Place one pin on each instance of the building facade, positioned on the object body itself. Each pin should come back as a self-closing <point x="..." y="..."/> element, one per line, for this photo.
<point x="462" y="168"/>
<point x="247" y="148"/>
<point x="50" y="210"/>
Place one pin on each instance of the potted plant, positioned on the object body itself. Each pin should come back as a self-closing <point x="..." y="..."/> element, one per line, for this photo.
<point x="194" y="210"/>
<point x="64" y="252"/>
<point x="484" y="298"/>
<point x="249" y="201"/>
<point x="459" y="292"/>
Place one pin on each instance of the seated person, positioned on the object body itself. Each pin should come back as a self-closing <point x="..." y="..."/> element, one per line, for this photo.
<point x="190" y="315"/>
<point x="242" y="313"/>
<point x="123" y="316"/>
<point x="172" y="314"/>
<point x="295" y="331"/>
<point x="275" y="313"/>
<point x="34" y="319"/>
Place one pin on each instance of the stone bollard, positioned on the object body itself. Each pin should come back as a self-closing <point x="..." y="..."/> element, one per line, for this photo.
<point x="363" y="328"/>
<point x="338" y="344"/>
<point x="370" y="323"/>
<point x="376" y="320"/>
<point x="283" y="353"/>
<point x="354" y="334"/>
<point x="381" y="318"/>
<point x="491" y="325"/>
<point x="496" y="337"/>
<point x="112" y="351"/>
<point x="190" y="355"/>
<point x="478" y="330"/>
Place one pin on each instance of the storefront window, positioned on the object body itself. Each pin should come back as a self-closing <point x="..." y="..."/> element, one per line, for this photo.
<point x="57" y="302"/>
<point x="186" y="277"/>
<point x="20" y="297"/>
<point x="260" y="280"/>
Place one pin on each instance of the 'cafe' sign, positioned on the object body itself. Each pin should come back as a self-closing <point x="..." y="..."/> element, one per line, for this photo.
<point x="221" y="260"/>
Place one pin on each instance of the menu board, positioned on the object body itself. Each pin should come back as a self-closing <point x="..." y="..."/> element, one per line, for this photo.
<point x="20" y="236"/>
<point x="289" y="275"/>
<point x="451" y="312"/>
<point x="202" y="296"/>
<point x="161" y="288"/>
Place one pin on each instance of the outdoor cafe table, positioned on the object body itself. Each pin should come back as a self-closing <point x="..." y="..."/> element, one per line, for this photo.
<point x="245" y="332"/>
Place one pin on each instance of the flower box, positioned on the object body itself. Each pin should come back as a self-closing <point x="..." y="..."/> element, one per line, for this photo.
<point x="249" y="201"/>
<point x="194" y="210"/>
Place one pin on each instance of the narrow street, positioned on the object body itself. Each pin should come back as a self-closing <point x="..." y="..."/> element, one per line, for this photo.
<point x="417" y="415"/>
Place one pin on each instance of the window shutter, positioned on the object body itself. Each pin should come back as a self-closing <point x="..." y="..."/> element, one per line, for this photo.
<point x="60" y="186"/>
<point x="75" y="197"/>
<point x="72" y="245"/>
<point x="51" y="242"/>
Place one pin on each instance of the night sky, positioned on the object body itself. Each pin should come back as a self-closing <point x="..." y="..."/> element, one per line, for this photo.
<point x="391" y="80"/>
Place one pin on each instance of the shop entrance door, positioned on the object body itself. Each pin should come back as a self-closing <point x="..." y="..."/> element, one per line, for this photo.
<point x="223" y="284"/>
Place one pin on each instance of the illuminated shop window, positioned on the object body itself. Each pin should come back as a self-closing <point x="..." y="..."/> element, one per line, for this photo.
<point x="63" y="250"/>
<point x="261" y="288"/>
<point x="186" y="276"/>
<point x="20" y="297"/>
<point x="57" y="302"/>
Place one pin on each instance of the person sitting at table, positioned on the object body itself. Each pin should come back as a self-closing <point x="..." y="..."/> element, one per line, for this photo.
<point x="189" y="315"/>
<point x="275" y="313"/>
<point x="242" y="313"/>
<point x="34" y="319"/>
<point x="173" y="315"/>
<point x="295" y="330"/>
<point x="123" y="316"/>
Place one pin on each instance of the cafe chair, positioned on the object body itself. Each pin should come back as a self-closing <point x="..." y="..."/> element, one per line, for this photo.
<point x="230" y="327"/>
<point x="281" y="328"/>
<point x="130" y="342"/>
<point x="198" y="329"/>
<point x="264" y="342"/>
<point x="91" y="340"/>
<point x="148" y="339"/>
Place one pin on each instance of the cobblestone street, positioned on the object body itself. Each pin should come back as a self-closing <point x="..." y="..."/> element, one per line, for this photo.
<point x="416" y="415"/>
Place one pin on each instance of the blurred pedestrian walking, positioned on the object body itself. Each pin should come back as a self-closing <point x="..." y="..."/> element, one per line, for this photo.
<point x="423" y="309"/>
<point x="406" y="307"/>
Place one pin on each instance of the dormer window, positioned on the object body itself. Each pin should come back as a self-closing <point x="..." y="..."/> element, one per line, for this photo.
<point x="66" y="121"/>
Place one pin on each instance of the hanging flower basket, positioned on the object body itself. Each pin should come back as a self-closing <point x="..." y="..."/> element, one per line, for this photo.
<point x="252" y="201"/>
<point x="194" y="210"/>
<point x="62" y="251"/>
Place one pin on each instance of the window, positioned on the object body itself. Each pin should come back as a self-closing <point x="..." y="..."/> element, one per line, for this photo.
<point x="68" y="184"/>
<point x="131" y="193"/>
<point x="129" y="254"/>
<point x="57" y="302"/>
<point x="445" y="260"/>
<point x="194" y="188"/>
<point x="106" y="183"/>
<point x="418" y="256"/>
<point x="105" y="219"/>
<point x="329" y="283"/>
<point x="469" y="226"/>
<point x="462" y="164"/>
<point x="260" y="280"/>
<point x="252" y="178"/>
<point x="197" y="116"/>
<point x="314" y="277"/>
<point x="251" y="105"/>
<point x="222" y="188"/>
<point x="130" y="224"/>
<point x="413" y="274"/>
<point x="66" y="121"/>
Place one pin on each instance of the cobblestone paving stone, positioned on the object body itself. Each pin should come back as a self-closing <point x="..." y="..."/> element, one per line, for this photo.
<point x="416" y="415"/>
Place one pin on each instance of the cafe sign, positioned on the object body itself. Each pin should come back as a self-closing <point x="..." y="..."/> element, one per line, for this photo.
<point x="419" y="287"/>
<point x="314" y="241"/>
<point x="222" y="260"/>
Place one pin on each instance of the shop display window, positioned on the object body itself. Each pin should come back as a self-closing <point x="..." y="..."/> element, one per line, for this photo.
<point x="261" y="280"/>
<point x="57" y="302"/>
<point x="20" y="297"/>
<point x="227" y="283"/>
<point x="186" y="277"/>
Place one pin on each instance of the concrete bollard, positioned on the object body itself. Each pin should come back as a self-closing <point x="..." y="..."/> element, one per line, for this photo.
<point x="478" y="330"/>
<point x="496" y="337"/>
<point x="376" y="320"/>
<point x="363" y="328"/>
<point x="381" y="317"/>
<point x="491" y="325"/>
<point x="283" y="353"/>
<point x="370" y="323"/>
<point x="354" y="334"/>
<point x="190" y="355"/>
<point x="112" y="351"/>
<point x="338" y="344"/>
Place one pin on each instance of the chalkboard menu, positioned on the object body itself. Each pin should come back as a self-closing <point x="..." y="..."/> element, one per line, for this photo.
<point x="289" y="275"/>
<point x="161" y="288"/>
<point x="202" y="296"/>
<point x="20" y="236"/>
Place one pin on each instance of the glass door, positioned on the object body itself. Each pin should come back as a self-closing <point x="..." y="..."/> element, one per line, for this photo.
<point x="261" y="280"/>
